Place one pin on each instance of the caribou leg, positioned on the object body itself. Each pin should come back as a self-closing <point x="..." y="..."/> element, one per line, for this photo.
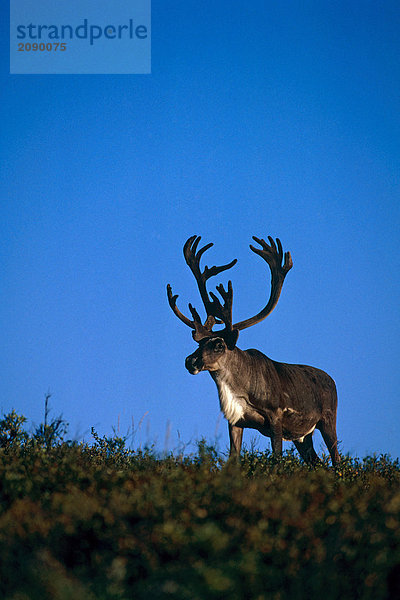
<point x="235" y="438"/>
<point x="306" y="450"/>
<point x="328" y="432"/>
<point x="276" y="439"/>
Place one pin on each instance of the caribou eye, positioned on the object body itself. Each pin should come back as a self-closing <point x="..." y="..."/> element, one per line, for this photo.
<point x="219" y="346"/>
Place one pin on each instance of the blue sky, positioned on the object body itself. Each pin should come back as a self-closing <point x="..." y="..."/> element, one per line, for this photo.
<point x="259" y="118"/>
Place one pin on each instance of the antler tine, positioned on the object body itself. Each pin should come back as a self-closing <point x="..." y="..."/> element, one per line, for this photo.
<point x="172" y="302"/>
<point x="195" y="314"/>
<point x="224" y="313"/>
<point x="190" y="253"/>
<point x="202" y="250"/>
<point x="210" y="272"/>
<point x="272" y="253"/>
<point x="287" y="262"/>
<point x="280" y="249"/>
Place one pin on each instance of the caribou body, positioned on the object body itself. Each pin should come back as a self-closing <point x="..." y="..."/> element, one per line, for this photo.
<point x="281" y="401"/>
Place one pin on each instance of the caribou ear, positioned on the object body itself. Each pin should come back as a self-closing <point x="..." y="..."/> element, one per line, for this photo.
<point x="231" y="338"/>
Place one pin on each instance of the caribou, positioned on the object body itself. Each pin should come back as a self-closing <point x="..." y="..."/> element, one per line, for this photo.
<point x="282" y="401"/>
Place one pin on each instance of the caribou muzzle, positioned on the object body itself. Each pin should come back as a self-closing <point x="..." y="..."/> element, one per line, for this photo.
<point x="194" y="363"/>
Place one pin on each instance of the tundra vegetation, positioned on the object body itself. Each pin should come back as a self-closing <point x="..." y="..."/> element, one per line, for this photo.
<point x="107" y="521"/>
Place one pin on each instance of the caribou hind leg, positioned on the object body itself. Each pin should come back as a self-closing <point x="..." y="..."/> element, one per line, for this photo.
<point x="328" y="432"/>
<point x="306" y="450"/>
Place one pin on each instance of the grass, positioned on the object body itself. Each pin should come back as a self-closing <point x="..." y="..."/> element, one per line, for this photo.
<point x="103" y="521"/>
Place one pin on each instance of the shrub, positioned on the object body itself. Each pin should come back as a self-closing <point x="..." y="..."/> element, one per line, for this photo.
<point x="12" y="435"/>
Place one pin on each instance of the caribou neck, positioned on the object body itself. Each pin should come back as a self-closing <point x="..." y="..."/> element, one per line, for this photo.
<point x="233" y="371"/>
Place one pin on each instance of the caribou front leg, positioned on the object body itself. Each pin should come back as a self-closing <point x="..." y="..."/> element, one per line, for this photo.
<point x="276" y="439"/>
<point x="235" y="438"/>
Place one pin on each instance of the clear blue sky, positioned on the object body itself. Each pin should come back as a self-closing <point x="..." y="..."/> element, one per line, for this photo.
<point x="261" y="118"/>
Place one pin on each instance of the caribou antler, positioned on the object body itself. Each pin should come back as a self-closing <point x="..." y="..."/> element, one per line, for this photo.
<point x="272" y="253"/>
<point x="213" y="306"/>
<point x="172" y="302"/>
<point x="224" y="313"/>
<point x="217" y="313"/>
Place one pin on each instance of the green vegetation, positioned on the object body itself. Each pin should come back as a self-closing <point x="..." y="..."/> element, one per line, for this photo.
<point x="103" y="521"/>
